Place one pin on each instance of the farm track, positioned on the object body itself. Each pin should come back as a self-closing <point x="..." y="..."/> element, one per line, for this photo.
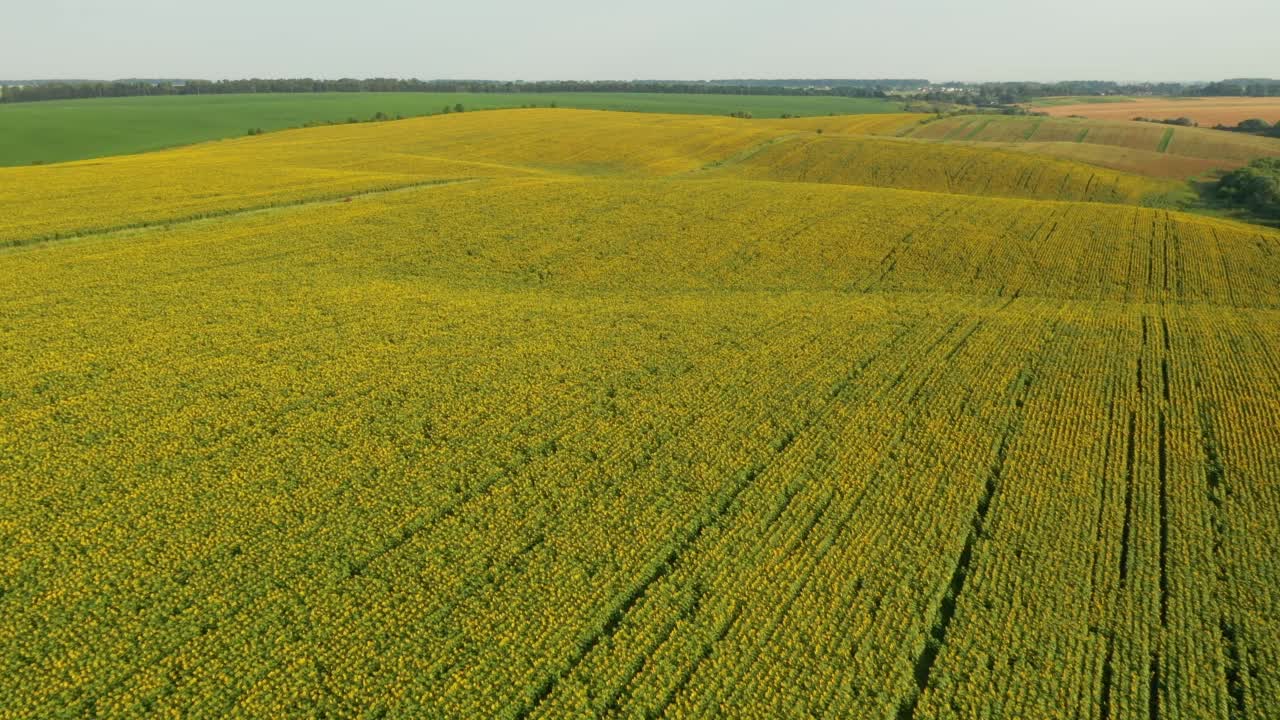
<point x="169" y="223"/>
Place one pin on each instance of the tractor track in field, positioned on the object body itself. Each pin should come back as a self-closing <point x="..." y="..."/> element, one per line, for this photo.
<point x="146" y="225"/>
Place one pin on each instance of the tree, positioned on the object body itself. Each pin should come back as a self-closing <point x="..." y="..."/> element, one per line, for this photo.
<point x="457" y="108"/>
<point x="1254" y="125"/>
<point x="1255" y="187"/>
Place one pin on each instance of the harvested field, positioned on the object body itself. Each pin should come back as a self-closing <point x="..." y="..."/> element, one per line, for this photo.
<point x="1206" y="111"/>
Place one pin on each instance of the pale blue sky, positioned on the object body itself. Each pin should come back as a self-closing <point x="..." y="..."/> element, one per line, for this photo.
<point x="673" y="39"/>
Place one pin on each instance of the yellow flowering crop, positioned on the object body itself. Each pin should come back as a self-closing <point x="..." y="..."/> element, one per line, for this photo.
<point x="879" y="162"/>
<point x="328" y="163"/>
<point x="582" y="421"/>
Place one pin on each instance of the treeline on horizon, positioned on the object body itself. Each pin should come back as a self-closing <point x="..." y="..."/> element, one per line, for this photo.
<point x="980" y="94"/>
<point x="879" y="83"/>
<point x="1010" y="93"/>
<point x="54" y="90"/>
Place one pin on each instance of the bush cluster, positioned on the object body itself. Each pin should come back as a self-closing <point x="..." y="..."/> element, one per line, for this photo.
<point x="1255" y="126"/>
<point x="1255" y="187"/>
<point x="1182" y="121"/>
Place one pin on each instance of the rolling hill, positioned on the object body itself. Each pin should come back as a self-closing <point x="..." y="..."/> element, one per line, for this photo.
<point x="545" y="414"/>
<point x="878" y="162"/>
<point x="339" y="161"/>
<point x="63" y="130"/>
<point x="1206" y="111"/>
<point x="1143" y="148"/>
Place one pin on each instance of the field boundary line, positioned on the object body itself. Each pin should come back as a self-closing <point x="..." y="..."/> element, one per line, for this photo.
<point x="326" y="198"/>
<point x="741" y="155"/>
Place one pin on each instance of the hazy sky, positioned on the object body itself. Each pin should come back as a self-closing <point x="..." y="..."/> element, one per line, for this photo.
<point x="671" y="39"/>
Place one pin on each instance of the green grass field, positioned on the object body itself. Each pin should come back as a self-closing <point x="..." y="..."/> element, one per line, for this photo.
<point x="58" y="131"/>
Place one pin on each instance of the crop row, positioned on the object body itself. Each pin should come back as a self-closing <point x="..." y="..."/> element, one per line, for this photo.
<point x="552" y="447"/>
